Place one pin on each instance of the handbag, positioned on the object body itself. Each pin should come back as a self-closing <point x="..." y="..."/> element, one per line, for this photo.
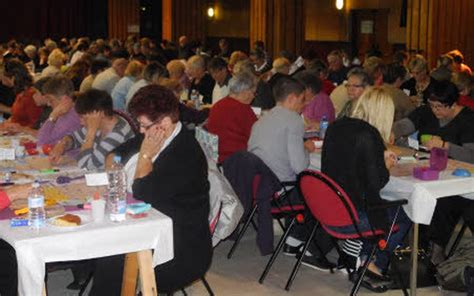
<point x="400" y="269"/>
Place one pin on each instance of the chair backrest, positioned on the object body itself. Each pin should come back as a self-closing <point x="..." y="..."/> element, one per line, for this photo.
<point x="133" y="124"/>
<point x="326" y="200"/>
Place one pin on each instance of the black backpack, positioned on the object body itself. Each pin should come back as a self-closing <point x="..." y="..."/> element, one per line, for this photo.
<point x="457" y="272"/>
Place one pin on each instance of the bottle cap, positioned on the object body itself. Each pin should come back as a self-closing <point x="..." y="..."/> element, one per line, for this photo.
<point x="117" y="159"/>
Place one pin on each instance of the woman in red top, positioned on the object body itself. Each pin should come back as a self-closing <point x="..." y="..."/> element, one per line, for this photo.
<point x="465" y="85"/>
<point x="25" y="112"/>
<point x="232" y="117"/>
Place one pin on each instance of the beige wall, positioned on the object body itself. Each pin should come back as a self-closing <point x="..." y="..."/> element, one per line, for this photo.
<point x="325" y="23"/>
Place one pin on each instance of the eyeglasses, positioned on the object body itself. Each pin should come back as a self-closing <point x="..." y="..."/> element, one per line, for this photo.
<point x="354" y="85"/>
<point x="147" y="127"/>
<point x="437" y="107"/>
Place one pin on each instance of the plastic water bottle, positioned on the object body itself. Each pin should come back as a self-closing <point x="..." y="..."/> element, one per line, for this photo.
<point x="36" y="212"/>
<point x="323" y="126"/>
<point x="195" y="99"/>
<point x="117" y="189"/>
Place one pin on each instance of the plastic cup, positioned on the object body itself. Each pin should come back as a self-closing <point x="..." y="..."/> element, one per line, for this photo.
<point x="98" y="210"/>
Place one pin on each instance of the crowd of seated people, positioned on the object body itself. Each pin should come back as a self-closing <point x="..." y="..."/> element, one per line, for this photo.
<point x="65" y="93"/>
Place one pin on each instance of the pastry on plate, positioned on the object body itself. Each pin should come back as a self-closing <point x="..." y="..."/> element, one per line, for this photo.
<point x="67" y="220"/>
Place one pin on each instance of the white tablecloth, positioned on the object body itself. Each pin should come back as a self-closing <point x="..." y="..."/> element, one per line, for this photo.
<point x="421" y="195"/>
<point x="94" y="240"/>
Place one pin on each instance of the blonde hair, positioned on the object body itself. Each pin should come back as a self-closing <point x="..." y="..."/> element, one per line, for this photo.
<point x="175" y="69"/>
<point x="280" y="64"/>
<point x="134" y="69"/>
<point x="418" y="64"/>
<point x="235" y="57"/>
<point x="376" y="107"/>
<point x="56" y="58"/>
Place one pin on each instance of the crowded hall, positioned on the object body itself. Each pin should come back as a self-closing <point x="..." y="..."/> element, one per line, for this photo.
<point x="251" y="147"/>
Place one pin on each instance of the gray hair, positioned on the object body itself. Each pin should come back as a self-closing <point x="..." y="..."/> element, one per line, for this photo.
<point x="361" y="74"/>
<point x="241" y="82"/>
<point x="197" y="62"/>
<point x="30" y="49"/>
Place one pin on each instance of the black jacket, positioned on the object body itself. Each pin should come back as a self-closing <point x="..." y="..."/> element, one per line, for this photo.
<point x="178" y="187"/>
<point x="353" y="156"/>
<point x="240" y="169"/>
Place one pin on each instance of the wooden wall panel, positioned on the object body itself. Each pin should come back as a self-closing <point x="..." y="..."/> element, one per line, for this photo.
<point x="438" y="26"/>
<point x="258" y="17"/>
<point x="122" y="14"/>
<point x="167" y="20"/>
<point x="184" y="17"/>
<point x="279" y="23"/>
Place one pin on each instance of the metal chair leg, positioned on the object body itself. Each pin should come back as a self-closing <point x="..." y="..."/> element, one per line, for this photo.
<point x="298" y="263"/>
<point x="242" y="231"/>
<point x="277" y="251"/>
<point x="356" y="286"/>
<point x="208" y="287"/>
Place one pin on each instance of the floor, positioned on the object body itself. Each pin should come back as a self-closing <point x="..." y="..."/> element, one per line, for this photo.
<point x="239" y="276"/>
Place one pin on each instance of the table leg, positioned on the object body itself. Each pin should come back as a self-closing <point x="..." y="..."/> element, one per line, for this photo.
<point x="130" y="275"/>
<point x="147" y="273"/>
<point x="414" y="260"/>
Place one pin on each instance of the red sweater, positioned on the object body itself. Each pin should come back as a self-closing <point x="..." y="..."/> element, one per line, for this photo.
<point x="232" y="121"/>
<point x="25" y="111"/>
<point x="466" y="101"/>
<point x="327" y="86"/>
<point x="4" y="200"/>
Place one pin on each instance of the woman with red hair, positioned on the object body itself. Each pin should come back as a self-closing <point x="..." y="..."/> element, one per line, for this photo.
<point x="169" y="171"/>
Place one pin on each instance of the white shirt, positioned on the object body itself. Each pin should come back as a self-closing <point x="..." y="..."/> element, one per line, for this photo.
<point x="219" y="92"/>
<point x="131" y="165"/>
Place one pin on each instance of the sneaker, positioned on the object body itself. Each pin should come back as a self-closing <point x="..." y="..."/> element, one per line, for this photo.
<point x="321" y="264"/>
<point x="346" y="262"/>
<point x="291" y="251"/>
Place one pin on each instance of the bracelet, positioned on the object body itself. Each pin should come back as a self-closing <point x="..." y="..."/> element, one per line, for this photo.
<point x="144" y="156"/>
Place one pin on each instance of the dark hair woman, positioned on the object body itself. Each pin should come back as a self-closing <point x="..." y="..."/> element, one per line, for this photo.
<point x="169" y="172"/>
<point x="444" y="124"/>
<point x="24" y="111"/>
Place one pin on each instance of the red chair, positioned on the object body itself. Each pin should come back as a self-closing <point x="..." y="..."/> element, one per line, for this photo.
<point x="332" y="208"/>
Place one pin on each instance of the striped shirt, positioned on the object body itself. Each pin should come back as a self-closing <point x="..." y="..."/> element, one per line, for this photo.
<point x="94" y="158"/>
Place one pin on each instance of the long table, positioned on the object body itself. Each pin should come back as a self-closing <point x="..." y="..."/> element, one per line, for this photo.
<point x="421" y="195"/>
<point x="94" y="240"/>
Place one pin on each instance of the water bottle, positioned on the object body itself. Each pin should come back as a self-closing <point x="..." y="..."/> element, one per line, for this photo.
<point x="323" y="126"/>
<point x="36" y="212"/>
<point x="117" y="189"/>
<point x="195" y="99"/>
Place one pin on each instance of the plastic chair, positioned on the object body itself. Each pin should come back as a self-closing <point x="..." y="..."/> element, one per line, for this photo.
<point x="332" y="208"/>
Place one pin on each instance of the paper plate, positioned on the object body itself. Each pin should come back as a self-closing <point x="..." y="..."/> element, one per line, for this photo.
<point x="85" y="220"/>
